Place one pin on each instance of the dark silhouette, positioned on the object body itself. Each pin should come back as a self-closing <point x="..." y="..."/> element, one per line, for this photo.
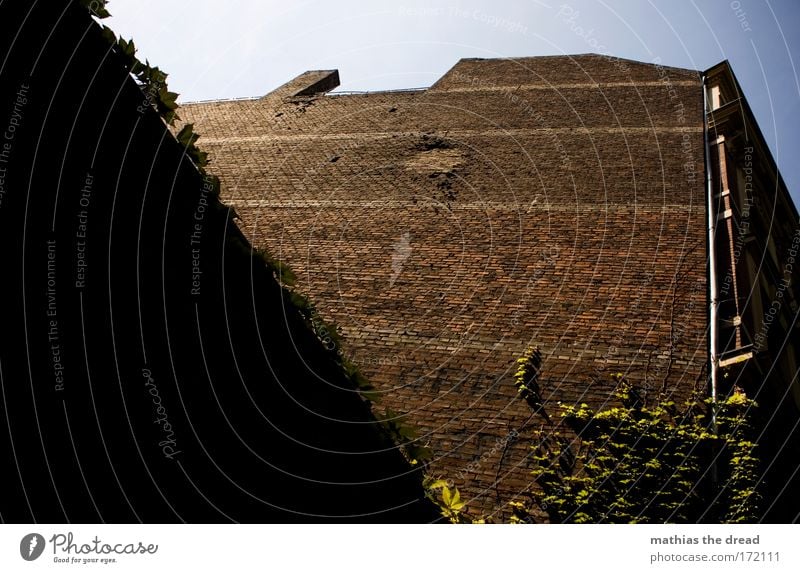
<point x="152" y="368"/>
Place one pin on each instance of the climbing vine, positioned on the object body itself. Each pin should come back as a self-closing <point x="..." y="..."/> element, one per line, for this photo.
<point x="634" y="463"/>
<point x="448" y="500"/>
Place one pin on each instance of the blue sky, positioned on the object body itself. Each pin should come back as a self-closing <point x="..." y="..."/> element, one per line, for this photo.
<point x="217" y="50"/>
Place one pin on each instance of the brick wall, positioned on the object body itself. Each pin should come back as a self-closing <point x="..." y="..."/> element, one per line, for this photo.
<point x="556" y="201"/>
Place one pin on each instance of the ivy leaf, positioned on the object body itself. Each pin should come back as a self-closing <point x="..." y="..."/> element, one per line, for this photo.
<point x="152" y="75"/>
<point x="200" y="157"/>
<point x="108" y="35"/>
<point x="446" y="496"/>
<point x="127" y="47"/>
<point x="127" y="50"/>
<point x="437" y="484"/>
<point x="186" y="135"/>
<point x="408" y="432"/>
<point x="167" y="104"/>
<point x="167" y="98"/>
<point x="419" y="453"/>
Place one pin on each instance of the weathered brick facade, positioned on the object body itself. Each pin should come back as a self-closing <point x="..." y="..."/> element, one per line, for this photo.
<point x="551" y="201"/>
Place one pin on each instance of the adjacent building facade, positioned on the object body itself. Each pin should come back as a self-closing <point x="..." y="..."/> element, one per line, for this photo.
<point x="623" y="217"/>
<point x="755" y="292"/>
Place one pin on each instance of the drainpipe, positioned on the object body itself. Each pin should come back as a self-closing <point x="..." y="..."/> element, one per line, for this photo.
<point x="712" y="265"/>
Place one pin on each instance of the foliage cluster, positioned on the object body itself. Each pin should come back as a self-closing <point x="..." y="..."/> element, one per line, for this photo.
<point x="634" y="463"/>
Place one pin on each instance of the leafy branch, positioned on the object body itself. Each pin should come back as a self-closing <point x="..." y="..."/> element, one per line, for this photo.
<point x="637" y="464"/>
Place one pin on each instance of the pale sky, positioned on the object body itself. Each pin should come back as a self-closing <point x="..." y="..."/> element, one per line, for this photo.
<point x="220" y="50"/>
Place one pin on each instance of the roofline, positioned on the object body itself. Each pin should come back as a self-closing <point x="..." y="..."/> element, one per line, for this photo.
<point x="334" y="73"/>
<point x="582" y="55"/>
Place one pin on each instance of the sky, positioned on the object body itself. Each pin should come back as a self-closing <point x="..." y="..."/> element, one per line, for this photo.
<point x="220" y="50"/>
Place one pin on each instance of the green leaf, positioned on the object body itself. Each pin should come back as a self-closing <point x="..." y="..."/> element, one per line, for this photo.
<point x="419" y="453"/>
<point x="167" y="98"/>
<point x="186" y="135"/>
<point x="446" y="496"/>
<point x="408" y="432"/>
<point x="437" y="484"/>
<point x="109" y="35"/>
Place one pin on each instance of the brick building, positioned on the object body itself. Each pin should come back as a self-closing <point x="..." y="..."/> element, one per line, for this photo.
<point x="561" y="202"/>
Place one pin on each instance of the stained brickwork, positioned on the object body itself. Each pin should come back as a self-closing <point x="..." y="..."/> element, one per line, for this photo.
<point x="555" y="201"/>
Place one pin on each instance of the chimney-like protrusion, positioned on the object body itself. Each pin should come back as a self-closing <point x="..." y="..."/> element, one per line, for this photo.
<point x="310" y="83"/>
